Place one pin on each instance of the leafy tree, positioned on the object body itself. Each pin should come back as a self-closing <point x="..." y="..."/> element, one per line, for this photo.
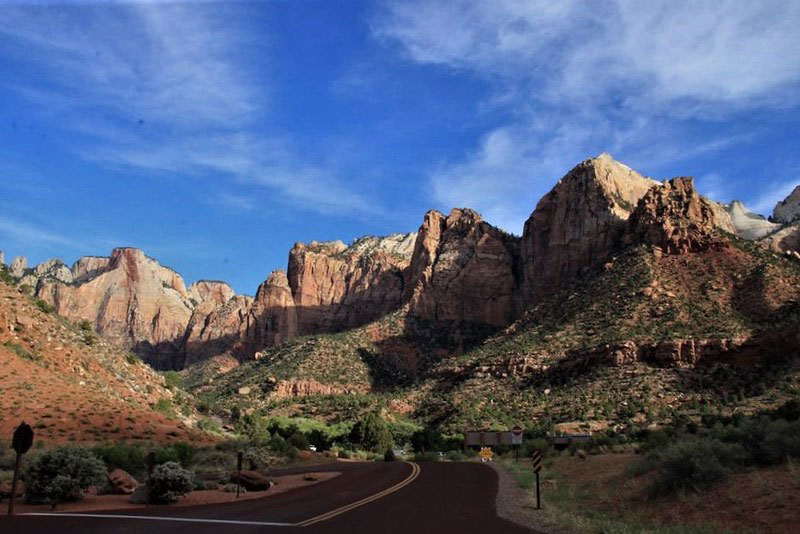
<point x="426" y="439"/>
<point x="62" y="475"/>
<point x="371" y="433"/>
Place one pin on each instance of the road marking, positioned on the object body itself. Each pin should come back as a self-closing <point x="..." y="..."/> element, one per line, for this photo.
<point x="415" y="469"/>
<point x="155" y="518"/>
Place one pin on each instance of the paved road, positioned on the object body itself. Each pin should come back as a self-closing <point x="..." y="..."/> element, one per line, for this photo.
<point x="431" y="497"/>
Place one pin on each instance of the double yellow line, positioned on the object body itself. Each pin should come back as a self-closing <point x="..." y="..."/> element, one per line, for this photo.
<point x="415" y="469"/>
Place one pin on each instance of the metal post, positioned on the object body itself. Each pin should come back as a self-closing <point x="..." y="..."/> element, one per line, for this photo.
<point x="151" y="463"/>
<point x="238" y="472"/>
<point x="538" y="494"/>
<point x="14" y="485"/>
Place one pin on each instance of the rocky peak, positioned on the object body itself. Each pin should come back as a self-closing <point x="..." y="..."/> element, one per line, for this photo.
<point x="53" y="268"/>
<point x="211" y="291"/>
<point x="673" y="217"/>
<point x="134" y="301"/>
<point x="87" y="267"/>
<point x="18" y="266"/>
<point x="463" y="270"/>
<point x="749" y="225"/>
<point x="578" y="223"/>
<point x="2" y="258"/>
<point x="788" y="209"/>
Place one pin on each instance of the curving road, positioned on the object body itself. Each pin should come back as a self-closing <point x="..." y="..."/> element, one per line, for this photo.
<point x="367" y="497"/>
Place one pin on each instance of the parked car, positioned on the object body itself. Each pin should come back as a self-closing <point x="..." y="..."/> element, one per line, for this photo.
<point x="312" y="448"/>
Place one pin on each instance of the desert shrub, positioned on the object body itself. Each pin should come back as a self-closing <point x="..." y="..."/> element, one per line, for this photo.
<point x="320" y="439"/>
<point x="172" y="379"/>
<point x="209" y="424"/>
<point x="254" y="427"/>
<point x="120" y="455"/>
<point x="298" y="440"/>
<point x="388" y="456"/>
<point x="426" y="457"/>
<point x="168" y="482"/>
<point x="277" y="444"/>
<point x="132" y="359"/>
<point x="256" y="458"/>
<point x="62" y="475"/>
<point x="43" y="306"/>
<point x="455" y="456"/>
<point x="85" y="325"/>
<point x="371" y="433"/>
<point x="694" y="463"/>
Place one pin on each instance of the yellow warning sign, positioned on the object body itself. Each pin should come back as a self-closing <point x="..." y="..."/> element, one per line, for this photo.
<point x="486" y="454"/>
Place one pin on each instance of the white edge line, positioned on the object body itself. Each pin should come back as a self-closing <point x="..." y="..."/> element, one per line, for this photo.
<point x="156" y="518"/>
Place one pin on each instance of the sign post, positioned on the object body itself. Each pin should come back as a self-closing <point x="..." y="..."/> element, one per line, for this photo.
<point x="537" y="466"/>
<point x="151" y="464"/>
<point x="516" y="440"/>
<point x="238" y="472"/>
<point x="21" y="443"/>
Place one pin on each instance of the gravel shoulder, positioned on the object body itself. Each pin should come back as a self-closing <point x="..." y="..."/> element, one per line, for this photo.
<point x="519" y="505"/>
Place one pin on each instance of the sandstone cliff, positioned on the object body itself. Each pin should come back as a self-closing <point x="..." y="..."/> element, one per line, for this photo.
<point x="463" y="270"/>
<point x="336" y="287"/>
<point x="578" y="223"/>
<point x="134" y="302"/>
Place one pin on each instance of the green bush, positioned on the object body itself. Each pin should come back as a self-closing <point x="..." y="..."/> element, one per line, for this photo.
<point x="62" y="475"/>
<point x="168" y="482"/>
<point x="371" y="433"/>
<point x="43" y="306"/>
<point x="695" y="463"/>
<point x="172" y="379"/>
<point x="120" y="455"/>
<point x="298" y="441"/>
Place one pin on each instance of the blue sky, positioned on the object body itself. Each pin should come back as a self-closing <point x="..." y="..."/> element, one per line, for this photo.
<point x="215" y="135"/>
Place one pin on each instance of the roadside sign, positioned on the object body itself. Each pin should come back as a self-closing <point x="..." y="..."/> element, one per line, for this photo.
<point x="537" y="461"/>
<point x="23" y="438"/>
<point x="516" y="435"/>
<point x="486" y="454"/>
<point x="21" y="442"/>
<point x="536" y="458"/>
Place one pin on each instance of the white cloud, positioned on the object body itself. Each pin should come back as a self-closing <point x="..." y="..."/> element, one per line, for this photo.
<point x="26" y="233"/>
<point x="585" y="77"/>
<point x="164" y="87"/>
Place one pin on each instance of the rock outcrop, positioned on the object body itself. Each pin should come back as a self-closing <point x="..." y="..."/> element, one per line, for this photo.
<point x="134" y="302"/>
<point x="2" y="258"/>
<point x="89" y="267"/>
<point x="674" y="218"/>
<point x="788" y="210"/>
<point x="785" y="240"/>
<point x="18" y="266"/>
<point x="463" y="270"/>
<point x="577" y="225"/>
<point x="54" y="269"/>
<point x="749" y="225"/>
<point x="336" y="287"/>
<point x="211" y="290"/>
<point x="272" y="319"/>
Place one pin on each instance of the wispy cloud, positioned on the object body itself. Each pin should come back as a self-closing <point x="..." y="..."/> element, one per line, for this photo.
<point x="26" y="233"/>
<point x="580" y="78"/>
<point x="164" y="87"/>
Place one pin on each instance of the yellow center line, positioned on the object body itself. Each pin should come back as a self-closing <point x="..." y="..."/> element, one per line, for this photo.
<point x="415" y="469"/>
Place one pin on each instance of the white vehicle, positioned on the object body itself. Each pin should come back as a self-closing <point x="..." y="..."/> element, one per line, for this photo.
<point x="312" y="448"/>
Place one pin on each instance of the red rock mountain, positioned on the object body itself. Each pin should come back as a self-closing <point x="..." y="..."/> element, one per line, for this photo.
<point x="457" y="269"/>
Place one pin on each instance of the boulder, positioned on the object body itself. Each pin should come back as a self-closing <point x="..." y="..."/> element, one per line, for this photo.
<point x="121" y="482"/>
<point x="5" y="489"/>
<point x="252" y="480"/>
<point x="141" y="495"/>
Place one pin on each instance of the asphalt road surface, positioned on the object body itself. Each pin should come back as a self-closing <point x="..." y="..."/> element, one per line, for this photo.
<point x="370" y="497"/>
